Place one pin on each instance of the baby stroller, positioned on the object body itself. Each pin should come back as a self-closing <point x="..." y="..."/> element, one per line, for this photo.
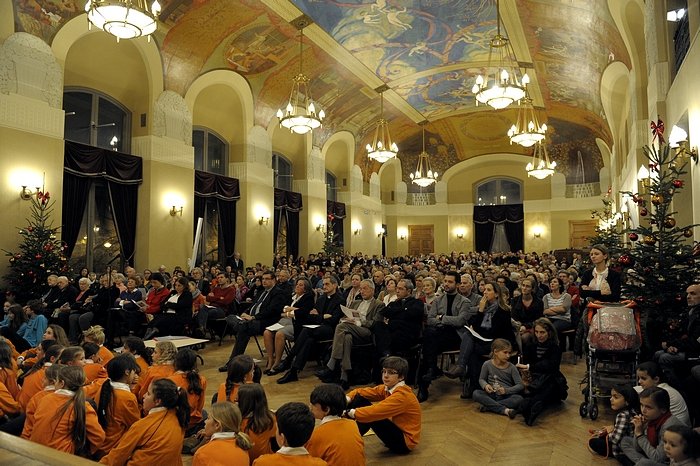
<point x="614" y="341"/>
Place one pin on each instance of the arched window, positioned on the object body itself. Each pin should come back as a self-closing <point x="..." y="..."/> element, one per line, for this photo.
<point x="331" y="186"/>
<point x="498" y="191"/>
<point x="210" y="151"/>
<point x="97" y="120"/>
<point x="283" y="172"/>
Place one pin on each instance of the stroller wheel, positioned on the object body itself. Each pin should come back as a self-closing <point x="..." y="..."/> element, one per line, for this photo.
<point x="583" y="409"/>
<point x="594" y="412"/>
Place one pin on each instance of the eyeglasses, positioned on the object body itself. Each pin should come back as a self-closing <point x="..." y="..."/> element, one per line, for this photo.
<point x="389" y="372"/>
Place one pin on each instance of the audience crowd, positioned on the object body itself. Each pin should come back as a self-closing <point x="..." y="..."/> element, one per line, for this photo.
<point x="373" y="322"/>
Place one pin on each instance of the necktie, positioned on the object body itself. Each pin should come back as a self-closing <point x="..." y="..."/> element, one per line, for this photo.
<point x="256" y="307"/>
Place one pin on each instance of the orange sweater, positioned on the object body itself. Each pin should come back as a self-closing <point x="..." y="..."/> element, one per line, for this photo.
<point x="338" y="442"/>
<point x="401" y="407"/>
<point x="105" y="354"/>
<point x="123" y="412"/>
<point x="221" y="452"/>
<point x="9" y="378"/>
<point x="94" y="371"/>
<point x="196" y="401"/>
<point x="142" y="364"/>
<point x="154" y="440"/>
<point x="56" y="432"/>
<point x="261" y="441"/>
<point x="279" y="459"/>
<point x="154" y="373"/>
<point x="8" y="404"/>
<point x="31" y="410"/>
<point x="232" y="397"/>
<point x="33" y="384"/>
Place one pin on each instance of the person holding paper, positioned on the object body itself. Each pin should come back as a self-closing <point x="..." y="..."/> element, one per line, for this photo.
<point x="353" y="329"/>
<point x="219" y="302"/>
<point x="447" y="316"/>
<point x="490" y="322"/>
<point x="275" y="335"/>
<point x="326" y="314"/>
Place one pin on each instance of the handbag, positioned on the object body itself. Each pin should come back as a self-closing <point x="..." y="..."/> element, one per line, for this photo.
<point x="599" y="443"/>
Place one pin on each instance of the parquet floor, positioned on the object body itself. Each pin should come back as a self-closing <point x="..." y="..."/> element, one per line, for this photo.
<point x="454" y="431"/>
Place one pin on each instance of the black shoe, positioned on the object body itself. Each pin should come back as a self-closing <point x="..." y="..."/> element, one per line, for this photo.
<point x="345" y="385"/>
<point x="423" y="393"/>
<point x="283" y="366"/>
<point x="150" y="333"/>
<point x="324" y="373"/>
<point x="535" y="410"/>
<point x="290" y="376"/>
<point x="224" y="368"/>
<point x="467" y="391"/>
<point x="432" y="374"/>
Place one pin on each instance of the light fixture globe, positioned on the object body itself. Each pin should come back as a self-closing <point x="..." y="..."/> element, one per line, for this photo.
<point x="424" y="175"/>
<point x="124" y="19"/>
<point x="382" y="148"/>
<point x="300" y="115"/>
<point x="540" y="167"/>
<point x="527" y="131"/>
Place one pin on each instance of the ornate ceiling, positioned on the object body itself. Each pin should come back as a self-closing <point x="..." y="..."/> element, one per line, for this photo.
<point x="427" y="52"/>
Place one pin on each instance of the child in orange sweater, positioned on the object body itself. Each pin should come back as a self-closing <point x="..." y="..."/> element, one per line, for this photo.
<point x="335" y="440"/>
<point x="195" y="385"/>
<point x="135" y="346"/>
<point x="396" y="418"/>
<point x="96" y="335"/>
<point x="240" y="371"/>
<point x="93" y="367"/>
<point x="8" y="370"/>
<point x="47" y="354"/>
<point x="64" y="420"/>
<point x="259" y="422"/>
<point x="163" y="358"/>
<point x="227" y="445"/>
<point x="50" y="379"/>
<point x="157" y="438"/>
<point x="295" y="424"/>
<point x="117" y="408"/>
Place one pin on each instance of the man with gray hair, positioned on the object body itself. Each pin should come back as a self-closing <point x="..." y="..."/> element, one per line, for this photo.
<point x="401" y="323"/>
<point x="352" y="331"/>
<point x="466" y="289"/>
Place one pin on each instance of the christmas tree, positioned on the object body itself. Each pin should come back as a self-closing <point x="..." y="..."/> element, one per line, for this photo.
<point x="40" y="253"/>
<point x="330" y="244"/>
<point x="660" y="263"/>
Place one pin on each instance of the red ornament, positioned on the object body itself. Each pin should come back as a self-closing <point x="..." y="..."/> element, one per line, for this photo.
<point x="633" y="236"/>
<point x="688" y="233"/>
<point x="30" y="229"/>
<point x="626" y="260"/>
<point x="677" y="183"/>
<point x="38" y="257"/>
<point x="643" y="212"/>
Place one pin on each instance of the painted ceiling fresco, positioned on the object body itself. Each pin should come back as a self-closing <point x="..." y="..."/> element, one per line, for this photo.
<point x="427" y="51"/>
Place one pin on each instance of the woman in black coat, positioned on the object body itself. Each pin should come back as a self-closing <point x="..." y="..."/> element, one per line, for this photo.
<point x="175" y="312"/>
<point x="600" y="283"/>
<point x="542" y="360"/>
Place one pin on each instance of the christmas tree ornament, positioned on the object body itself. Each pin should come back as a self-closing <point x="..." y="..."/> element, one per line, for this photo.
<point x="649" y="240"/>
<point x="657" y="199"/>
<point x="677" y="183"/>
<point x="688" y="233"/>
<point x="633" y="236"/>
<point x="626" y="260"/>
<point x="643" y="212"/>
<point x="670" y="222"/>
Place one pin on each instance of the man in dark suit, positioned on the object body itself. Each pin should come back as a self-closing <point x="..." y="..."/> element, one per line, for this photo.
<point x="401" y="322"/>
<point x="351" y="332"/>
<point x="284" y="282"/>
<point x="326" y="313"/>
<point x="265" y="311"/>
<point x="237" y="263"/>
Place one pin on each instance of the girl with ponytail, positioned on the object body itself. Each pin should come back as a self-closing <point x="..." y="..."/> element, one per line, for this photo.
<point x="117" y="408"/>
<point x="157" y="438"/>
<point x="73" y="428"/>
<point x="50" y="379"/>
<point x="136" y="346"/>
<point x="187" y="378"/>
<point x="227" y="444"/>
<point x="33" y="381"/>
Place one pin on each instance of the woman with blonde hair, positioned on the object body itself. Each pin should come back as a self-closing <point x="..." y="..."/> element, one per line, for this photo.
<point x="227" y="444"/>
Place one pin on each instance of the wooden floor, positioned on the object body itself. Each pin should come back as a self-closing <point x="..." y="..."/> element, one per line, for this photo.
<point x="454" y="431"/>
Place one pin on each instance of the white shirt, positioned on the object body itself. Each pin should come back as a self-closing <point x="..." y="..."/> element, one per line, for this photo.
<point x="293" y="451"/>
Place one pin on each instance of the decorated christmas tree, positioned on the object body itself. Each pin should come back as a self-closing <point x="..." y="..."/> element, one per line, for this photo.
<point x="660" y="263"/>
<point x="40" y="253"/>
<point x="609" y="229"/>
<point x="330" y="242"/>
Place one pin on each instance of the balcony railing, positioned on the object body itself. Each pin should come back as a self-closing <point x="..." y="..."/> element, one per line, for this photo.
<point x="420" y="199"/>
<point x="582" y="190"/>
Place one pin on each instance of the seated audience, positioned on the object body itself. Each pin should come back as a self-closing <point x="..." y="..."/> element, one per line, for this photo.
<point x="526" y="309"/>
<point x="176" y="312"/>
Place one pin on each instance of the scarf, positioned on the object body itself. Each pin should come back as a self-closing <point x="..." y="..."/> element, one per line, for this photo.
<point x="598" y="279"/>
<point x="653" y="428"/>
<point x="196" y="293"/>
<point x="488" y="315"/>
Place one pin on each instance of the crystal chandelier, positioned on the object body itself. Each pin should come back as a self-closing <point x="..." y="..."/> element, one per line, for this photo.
<point x="382" y="147"/>
<point x="124" y="19"/>
<point x="540" y="167"/>
<point x="527" y="130"/>
<point x="424" y="176"/>
<point x="499" y="87"/>
<point x="300" y="114"/>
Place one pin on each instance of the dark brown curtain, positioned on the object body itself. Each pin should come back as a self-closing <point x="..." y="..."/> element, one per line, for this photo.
<point x="288" y="204"/>
<point x="123" y="174"/>
<point x="488" y="216"/>
<point x="227" y="192"/>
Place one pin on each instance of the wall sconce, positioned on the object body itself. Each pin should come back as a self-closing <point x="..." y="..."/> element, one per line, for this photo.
<point x="460" y="235"/>
<point x="357" y="231"/>
<point x="381" y="232"/>
<point x="26" y="194"/>
<point x="643" y="177"/>
<point x="537" y="232"/>
<point x="678" y="141"/>
<point x="174" y="211"/>
<point x="264" y="220"/>
<point x="402" y="237"/>
<point x="319" y="227"/>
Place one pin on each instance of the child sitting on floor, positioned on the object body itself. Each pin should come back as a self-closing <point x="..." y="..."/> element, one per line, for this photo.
<point x="227" y="444"/>
<point x="396" y="418"/>
<point x="606" y="441"/>
<point x="682" y="445"/>
<point x="335" y="440"/>
<point x="500" y="382"/>
<point x="295" y="423"/>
